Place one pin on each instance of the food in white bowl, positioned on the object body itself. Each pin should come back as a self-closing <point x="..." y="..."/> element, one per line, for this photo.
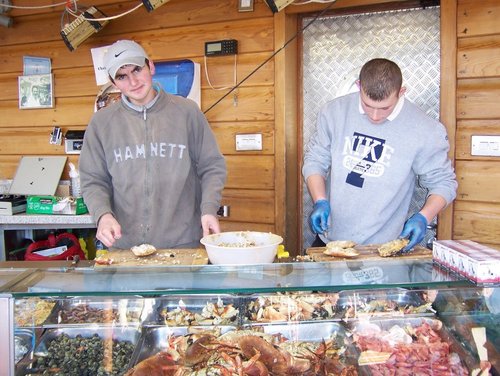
<point x="241" y="247"/>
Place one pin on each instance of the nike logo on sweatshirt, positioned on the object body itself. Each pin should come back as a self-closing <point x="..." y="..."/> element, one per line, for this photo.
<point x="365" y="156"/>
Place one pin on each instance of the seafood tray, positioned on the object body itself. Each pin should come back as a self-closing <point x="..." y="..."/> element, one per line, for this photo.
<point x="32" y="312"/>
<point x="184" y="310"/>
<point x="461" y="328"/>
<point x="307" y="337"/>
<point x="24" y="340"/>
<point x="83" y="347"/>
<point x="409" y="345"/>
<point x="246" y="351"/>
<point x="156" y="339"/>
<point x="272" y="308"/>
<point x="464" y="301"/>
<point x="85" y="310"/>
<point x="378" y="303"/>
<point x="304" y="331"/>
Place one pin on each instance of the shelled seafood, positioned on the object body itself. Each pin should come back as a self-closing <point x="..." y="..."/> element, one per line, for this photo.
<point x="245" y="352"/>
<point x="291" y="307"/>
<point x="211" y="313"/>
<point x="393" y="303"/>
<point x="81" y="311"/>
<point x="406" y="348"/>
<point x="382" y="306"/>
<point x="32" y="311"/>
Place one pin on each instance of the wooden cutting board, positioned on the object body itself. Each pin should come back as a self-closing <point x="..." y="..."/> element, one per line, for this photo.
<point x="368" y="252"/>
<point x="125" y="257"/>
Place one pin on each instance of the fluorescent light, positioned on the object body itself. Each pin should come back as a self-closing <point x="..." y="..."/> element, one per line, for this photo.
<point x="82" y="28"/>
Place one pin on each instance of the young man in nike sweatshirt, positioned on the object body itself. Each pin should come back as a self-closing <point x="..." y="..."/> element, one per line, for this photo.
<point x="150" y="167"/>
<point x="363" y="162"/>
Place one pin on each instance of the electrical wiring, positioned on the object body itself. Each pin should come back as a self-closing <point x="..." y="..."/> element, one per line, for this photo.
<point x="320" y="14"/>
<point x="235" y="78"/>
<point x="65" y="20"/>
<point x="73" y="12"/>
<point x="34" y="6"/>
<point x="71" y="9"/>
<point x="68" y="4"/>
<point x="76" y="14"/>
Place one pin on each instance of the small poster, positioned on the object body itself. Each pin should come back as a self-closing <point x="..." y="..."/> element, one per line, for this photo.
<point x="36" y="65"/>
<point x="101" y="75"/>
<point x="36" y="91"/>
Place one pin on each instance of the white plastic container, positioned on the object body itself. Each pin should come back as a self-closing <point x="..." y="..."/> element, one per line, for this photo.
<point x="74" y="176"/>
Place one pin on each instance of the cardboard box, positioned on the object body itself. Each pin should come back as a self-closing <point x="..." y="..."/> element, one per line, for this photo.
<point x="477" y="262"/>
<point x="55" y="205"/>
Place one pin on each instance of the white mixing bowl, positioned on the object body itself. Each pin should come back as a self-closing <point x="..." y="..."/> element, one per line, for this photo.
<point x="242" y="247"/>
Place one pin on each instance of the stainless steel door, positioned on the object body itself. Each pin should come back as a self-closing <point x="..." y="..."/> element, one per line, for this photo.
<point x="335" y="48"/>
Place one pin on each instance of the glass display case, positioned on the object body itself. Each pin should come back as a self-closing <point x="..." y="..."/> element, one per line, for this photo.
<point x="311" y="318"/>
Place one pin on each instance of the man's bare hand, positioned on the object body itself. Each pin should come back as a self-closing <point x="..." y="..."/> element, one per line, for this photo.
<point x="210" y="224"/>
<point x="108" y="230"/>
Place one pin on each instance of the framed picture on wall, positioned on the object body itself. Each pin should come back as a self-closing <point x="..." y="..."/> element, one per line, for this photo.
<point x="36" y="65"/>
<point x="36" y="91"/>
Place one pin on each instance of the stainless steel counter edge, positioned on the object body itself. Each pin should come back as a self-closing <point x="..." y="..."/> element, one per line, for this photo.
<point x="62" y="264"/>
<point x="29" y="219"/>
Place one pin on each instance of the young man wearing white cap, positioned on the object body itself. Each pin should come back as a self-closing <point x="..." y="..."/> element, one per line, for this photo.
<point x="150" y="167"/>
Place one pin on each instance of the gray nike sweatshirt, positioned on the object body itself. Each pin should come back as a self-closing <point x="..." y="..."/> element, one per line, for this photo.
<point x="372" y="169"/>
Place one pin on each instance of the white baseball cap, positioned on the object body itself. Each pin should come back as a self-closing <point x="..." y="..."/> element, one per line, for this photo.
<point x="123" y="52"/>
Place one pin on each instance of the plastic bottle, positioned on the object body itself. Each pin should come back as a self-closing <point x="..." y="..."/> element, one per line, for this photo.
<point x="74" y="181"/>
<point x="83" y="246"/>
<point x="100" y="248"/>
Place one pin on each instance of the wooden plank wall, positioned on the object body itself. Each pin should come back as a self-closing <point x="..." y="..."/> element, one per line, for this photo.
<point x="176" y="30"/>
<point x="256" y="183"/>
<point x="477" y="207"/>
<point x="447" y="100"/>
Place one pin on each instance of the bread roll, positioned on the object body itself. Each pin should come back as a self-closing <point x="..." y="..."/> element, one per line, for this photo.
<point x="143" y="250"/>
<point x="341" y="252"/>
<point x="341" y="244"/>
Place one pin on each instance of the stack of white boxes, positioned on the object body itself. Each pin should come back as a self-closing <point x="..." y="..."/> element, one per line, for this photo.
<point x="475" y="261"/>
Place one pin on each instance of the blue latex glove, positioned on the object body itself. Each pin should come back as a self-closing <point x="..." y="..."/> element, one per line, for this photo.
<point x="319" y="216"/>
<point x="415" y="227"/>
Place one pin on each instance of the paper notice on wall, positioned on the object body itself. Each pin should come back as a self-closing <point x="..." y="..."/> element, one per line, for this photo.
<point x="101" y="76"/>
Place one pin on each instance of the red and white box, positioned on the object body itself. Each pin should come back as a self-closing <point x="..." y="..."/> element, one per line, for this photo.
<point x="475" y="261"/>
